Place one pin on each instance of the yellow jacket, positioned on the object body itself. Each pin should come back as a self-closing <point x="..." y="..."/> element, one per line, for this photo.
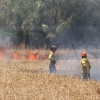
<point x="52" y="56"/>
<point x="85" y="63"/>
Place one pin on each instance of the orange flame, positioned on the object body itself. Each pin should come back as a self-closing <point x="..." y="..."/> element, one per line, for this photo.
<point x="18" y="54"/>
<point x="34" y="56"/>
<point x="2" y="53"/>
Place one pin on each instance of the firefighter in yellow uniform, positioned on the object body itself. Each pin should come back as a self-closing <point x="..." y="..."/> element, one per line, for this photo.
<point x="85" y="66"/>
<point x="52" y="67"/>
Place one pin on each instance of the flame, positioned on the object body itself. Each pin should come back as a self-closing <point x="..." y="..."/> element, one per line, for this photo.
<point x="20" y="55"/>
<point x="16" y="55"/>
<point x="34" y="56"/>
<point x="23" y="57"/>
<point x="2" y="53"/>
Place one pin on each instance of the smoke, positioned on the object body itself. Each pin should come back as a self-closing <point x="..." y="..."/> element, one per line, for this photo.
<point x="69" y="63"/>
<point x="70" y="49"/>
<point x="71" y="44"/>
<point x="8" y="39"/>
<point x="91" y="0"/>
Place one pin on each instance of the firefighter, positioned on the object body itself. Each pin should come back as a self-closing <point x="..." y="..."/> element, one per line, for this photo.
<point x="52" y="67"/>
<point x="85" y="66"/>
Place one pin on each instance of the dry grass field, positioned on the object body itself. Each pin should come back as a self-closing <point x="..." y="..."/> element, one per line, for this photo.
<point x="31" y="80"/>
<point x="25" y="80"/>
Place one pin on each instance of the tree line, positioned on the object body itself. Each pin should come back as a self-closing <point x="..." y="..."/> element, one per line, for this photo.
<point x="43" y="22"/>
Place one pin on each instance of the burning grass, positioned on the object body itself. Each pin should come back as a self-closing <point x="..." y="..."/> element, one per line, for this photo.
<point x="28" y="80"/>
<point x="18" y="54"/>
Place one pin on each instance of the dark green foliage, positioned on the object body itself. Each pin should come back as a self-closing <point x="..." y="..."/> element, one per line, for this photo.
<point x="62" y="19"/>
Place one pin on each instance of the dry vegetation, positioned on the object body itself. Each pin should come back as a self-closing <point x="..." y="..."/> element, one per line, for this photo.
<point x="26" y="80"/>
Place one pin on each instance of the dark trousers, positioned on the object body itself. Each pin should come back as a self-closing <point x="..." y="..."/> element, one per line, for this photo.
<point x="86" y="75"/>
<point x="86" y="72"/>
<point x="52" y="68"/>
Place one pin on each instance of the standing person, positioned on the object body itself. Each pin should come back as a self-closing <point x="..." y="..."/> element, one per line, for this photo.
<point x="52" y="67"/>
<point x="85" y="66"/>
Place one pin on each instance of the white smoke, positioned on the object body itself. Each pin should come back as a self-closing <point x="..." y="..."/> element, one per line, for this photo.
<point x="69" y="63"/>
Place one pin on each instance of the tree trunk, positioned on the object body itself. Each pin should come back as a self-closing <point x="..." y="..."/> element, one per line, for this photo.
<point x="26" y="39"/>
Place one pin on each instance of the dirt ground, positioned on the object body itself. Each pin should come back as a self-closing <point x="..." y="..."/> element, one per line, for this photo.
<point x="27" y="80"/>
